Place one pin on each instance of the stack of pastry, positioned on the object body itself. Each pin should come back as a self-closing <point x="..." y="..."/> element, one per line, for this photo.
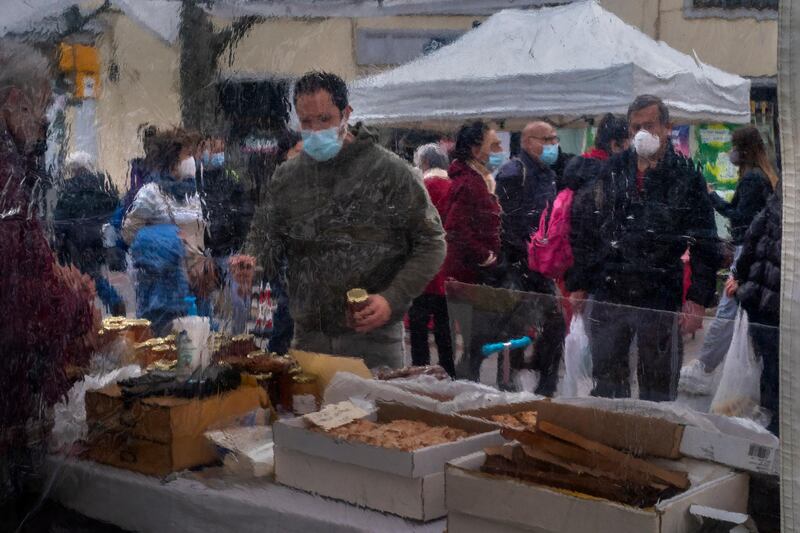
<point x="522" y="420"/>
<point x="405" y="435"/>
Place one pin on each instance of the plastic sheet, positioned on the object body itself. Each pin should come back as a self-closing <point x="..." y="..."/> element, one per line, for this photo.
<point x="424" y="391"/>
<point x="577" y="361"/>
<point x="70" y="414"/>
<point x="153" y="133"/>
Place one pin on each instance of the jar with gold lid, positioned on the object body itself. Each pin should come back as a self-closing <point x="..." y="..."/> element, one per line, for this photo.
<point x="356" y="301"/>
<point x="305" y="393"/>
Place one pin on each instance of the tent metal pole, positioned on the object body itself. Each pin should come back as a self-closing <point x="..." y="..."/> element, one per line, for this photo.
<point x="789" y="109"/>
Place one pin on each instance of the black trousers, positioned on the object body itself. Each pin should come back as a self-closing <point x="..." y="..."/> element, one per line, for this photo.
<point x="612" y="328"/>
<point x="766" y="345"/>
<point x="422" y="309"/>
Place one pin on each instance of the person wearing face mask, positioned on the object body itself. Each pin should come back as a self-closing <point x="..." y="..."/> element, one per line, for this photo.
<point x="346" y="214"/>
<point x="525" y="187"/>
<point x="165" y="230"/>
<point x="225" y="202"/>
<point x="757" y="181"/>
<point x="472" y="221"/>
<point x="432" y="163"/>
<point x="646" y="207"/>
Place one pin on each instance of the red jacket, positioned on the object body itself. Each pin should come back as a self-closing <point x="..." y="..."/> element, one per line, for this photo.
<point x="472" y="223"/>
<point x="438" y="184"/>
<point x="596" y="153"/>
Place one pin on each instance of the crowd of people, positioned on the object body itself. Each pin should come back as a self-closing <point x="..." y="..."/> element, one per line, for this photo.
<point x="603" y="234"/>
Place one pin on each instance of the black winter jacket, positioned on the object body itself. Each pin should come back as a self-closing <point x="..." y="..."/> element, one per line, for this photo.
<point x="559" y="167"/>
<point x="750" y="197"/>
<point x="758" y="270"/>
<point x="227" y="210"/>
<point x="524" y="188"/>
<point x="628" y="245"/>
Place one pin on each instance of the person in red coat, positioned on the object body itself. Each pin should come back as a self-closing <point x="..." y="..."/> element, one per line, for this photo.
<point x="472" y="215"/>
<point x="433" y="162"/>
<point x="472" y="219"/>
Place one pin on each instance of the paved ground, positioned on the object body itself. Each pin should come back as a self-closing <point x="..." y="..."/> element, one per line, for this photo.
<point x="692" y="346"/>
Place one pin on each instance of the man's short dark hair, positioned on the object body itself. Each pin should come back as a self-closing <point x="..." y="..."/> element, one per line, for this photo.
<point x="646" y="100"/>
<point x="314" y="81"/>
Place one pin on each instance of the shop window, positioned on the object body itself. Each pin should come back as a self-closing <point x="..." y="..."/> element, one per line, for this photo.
<point x="758" y="9"/>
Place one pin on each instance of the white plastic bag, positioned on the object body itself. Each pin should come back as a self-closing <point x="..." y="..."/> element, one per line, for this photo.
<point x="577" y="361"/>
<point x="739" y="392"/>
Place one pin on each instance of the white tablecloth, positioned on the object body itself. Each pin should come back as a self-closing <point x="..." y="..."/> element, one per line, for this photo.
<point x="140" y="503"/>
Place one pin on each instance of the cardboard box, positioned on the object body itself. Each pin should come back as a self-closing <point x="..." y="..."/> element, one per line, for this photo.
<point x="482" y="502"/>
<point x="164" y="419"/>
<point x="157" y="436"/>
<point x="753" y="453"/>
<point x="148" y="457"/>
<point x="656" y="437"/>
<point x="406" y="483"/>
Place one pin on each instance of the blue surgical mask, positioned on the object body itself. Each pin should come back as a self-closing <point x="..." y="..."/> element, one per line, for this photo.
<point x="549" y="154"/>
<point x="322" y="145"/>
<point x="496" y="160"/>
<point x="216" y="160"/>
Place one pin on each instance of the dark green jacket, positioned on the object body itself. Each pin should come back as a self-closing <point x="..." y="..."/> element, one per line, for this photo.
<point x="362" y="219"/>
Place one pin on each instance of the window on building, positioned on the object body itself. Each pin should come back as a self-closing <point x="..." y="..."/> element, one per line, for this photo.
<point x="736" y="4"/>
<point x="758" y="9"/>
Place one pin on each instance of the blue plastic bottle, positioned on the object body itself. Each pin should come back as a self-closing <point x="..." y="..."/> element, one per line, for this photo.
<point x="191" y="302"/>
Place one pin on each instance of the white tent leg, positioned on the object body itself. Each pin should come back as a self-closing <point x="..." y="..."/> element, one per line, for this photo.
<point x="789" y="102"/>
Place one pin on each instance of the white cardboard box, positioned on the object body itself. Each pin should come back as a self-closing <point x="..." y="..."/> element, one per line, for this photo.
<point x="409" y="484"/>
<point x="483" y="502"/>
<point x="752" y="451"/>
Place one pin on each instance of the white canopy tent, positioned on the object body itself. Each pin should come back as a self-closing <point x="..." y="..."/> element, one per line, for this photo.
<point x="564" y="62"/>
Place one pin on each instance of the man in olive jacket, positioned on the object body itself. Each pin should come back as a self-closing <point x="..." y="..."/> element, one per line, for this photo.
<point x="346" y="214"/>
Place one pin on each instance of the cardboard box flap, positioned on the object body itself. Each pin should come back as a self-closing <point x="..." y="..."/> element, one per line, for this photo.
<point x="640" y="435"/>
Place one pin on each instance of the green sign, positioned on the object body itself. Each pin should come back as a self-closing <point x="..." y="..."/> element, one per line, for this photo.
<point x="713" y="155"/>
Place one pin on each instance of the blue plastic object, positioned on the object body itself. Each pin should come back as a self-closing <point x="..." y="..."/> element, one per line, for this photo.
<point x="191" y="304"/>
<point x="513" y="344"/>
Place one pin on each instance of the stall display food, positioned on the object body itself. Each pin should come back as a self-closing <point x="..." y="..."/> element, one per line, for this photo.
<point x="522" y="420"/>
<point x="405" y="435"/>
<point x="133" y="330"/>
<point x="550" y="455"/>
<point x="154" y="350"/>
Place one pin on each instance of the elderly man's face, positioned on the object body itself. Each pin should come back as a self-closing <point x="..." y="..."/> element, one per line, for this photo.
<point x="649" y="119"/>
<point x="24" y="114"/>
<point x="535" y="137"/>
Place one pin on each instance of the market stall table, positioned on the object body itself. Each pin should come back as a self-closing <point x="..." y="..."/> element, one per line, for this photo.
<point x="140" y="503"/>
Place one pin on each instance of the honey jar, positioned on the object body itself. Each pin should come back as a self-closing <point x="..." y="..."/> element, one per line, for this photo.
<point x="356" y="301"/>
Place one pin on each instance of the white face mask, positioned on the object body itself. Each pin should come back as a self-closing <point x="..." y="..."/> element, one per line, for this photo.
<point x="187" y="169"/>
<point x="645" y="143"/>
